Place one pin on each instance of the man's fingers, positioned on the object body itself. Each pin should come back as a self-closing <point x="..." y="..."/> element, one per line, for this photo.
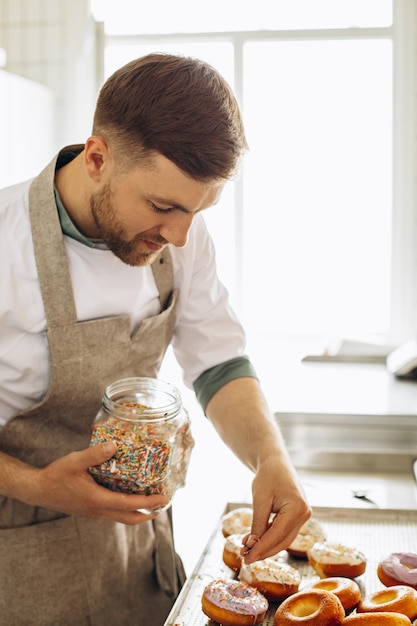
<point x="101" y="452"/>
<point x="277" y="536"/>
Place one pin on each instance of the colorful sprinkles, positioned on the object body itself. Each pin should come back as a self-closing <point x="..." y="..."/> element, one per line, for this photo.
<point x="152" y="455"/>
<point x="235" y="596"/>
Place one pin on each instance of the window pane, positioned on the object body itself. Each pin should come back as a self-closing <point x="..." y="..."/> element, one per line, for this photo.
<point x="317" y="187"/>
<point x="184" y="16"/>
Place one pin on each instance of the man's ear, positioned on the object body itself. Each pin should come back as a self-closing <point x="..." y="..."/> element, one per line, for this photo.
<point x="97" y="158"/>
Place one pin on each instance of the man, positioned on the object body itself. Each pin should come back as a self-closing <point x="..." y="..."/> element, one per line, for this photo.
<point x="105" y="261"/>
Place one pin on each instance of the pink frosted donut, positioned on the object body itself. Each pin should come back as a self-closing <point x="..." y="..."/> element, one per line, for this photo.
<point x="233" y="603"/>
<point x="398" y="568"/>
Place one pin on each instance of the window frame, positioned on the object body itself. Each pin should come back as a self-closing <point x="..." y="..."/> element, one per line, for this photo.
<point x="403" y="35"/>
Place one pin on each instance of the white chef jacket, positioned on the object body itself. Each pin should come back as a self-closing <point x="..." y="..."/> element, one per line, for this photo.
<point x="103" y="286"/>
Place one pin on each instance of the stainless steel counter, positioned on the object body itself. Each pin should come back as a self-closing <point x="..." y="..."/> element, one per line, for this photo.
<point x="347" y="417"/>
<point x="364" y="490"/>
<point x="350" y="443"/>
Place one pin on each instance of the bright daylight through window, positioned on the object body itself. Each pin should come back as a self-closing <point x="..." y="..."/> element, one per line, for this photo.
<point x="304" y="236"/>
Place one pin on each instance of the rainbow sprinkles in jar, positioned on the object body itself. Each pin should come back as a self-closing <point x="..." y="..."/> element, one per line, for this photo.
<point x="146" y="419"/>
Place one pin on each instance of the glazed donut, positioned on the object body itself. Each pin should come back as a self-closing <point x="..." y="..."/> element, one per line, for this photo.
<point x="310" y="608"/>
<point x="399" y="599"/>
<point x="346" y="589"/>
<point x="336" y="559"/>
<point x="237" y="521"/>
<point x="273" y="579"/>
<point x="398" y="568"/>
<point x="308" y="535"/>
<point x="233" y="603"/>
<point x="377" y="619"/>
<point x="231" y="551"/>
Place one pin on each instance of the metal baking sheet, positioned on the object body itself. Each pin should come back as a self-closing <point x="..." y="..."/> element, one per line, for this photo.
<point x="376" y="532"/>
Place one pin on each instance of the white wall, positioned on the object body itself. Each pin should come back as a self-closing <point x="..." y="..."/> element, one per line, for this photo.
<point x="25" y="147"/>
<point x="58" y="45"/>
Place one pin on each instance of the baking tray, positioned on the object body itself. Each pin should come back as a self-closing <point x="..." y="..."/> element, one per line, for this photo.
<point x="376" y="532"/>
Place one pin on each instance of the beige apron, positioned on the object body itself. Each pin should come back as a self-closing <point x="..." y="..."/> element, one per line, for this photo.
<point x="63" y="570"/>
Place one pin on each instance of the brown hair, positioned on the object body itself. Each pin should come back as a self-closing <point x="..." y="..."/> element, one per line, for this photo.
<point x="178" y="106"/>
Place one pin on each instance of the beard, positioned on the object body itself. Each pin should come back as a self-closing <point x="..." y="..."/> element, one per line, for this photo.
<point x="112" y="233"/>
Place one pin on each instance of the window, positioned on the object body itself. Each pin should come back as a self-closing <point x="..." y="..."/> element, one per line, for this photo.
<point x="315" y="239"/>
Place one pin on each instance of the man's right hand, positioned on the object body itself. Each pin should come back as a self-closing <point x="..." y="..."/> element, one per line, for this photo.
<point x="65" y="485"/>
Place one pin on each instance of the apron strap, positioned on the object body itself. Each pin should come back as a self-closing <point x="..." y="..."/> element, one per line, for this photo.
<point x="48" y="242"/>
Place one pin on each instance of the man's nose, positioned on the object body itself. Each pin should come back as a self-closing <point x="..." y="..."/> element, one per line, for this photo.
<point x="176" y="230"/>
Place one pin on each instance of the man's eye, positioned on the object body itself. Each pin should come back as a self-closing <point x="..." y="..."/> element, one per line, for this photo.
<point x="158" y="209"/>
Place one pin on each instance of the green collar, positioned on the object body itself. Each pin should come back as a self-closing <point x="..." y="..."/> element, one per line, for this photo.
<point x="67" y="225"/>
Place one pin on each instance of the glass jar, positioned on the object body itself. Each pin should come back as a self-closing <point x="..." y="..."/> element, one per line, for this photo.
<point x="146" y="419"/>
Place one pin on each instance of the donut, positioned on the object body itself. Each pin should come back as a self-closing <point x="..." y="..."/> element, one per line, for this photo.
<point x="237" y="521"/>
<point x="398" y="568"/>
<point x="377" y="619"/>
<point x="274" y="580"/>
<point x="231" y="551"/>
<point x="308" y="535"/>
<point x="346" y="589"/>
<point x="316" y="607"/>
<point x="399" y="599"/>
<point x="336" y="559"/>
<point x="233" y="603"/>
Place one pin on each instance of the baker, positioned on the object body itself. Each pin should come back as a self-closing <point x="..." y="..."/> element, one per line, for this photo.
<point x="105" y="261"/>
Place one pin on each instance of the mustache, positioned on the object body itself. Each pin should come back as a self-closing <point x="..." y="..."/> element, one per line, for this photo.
<point x="129" y="246"/>
<point x="159" y="241"/>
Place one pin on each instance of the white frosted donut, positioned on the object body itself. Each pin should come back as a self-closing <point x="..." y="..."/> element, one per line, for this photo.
<point x="233" y="603"/>
<point x="336" y="559"/>
<point x="399" y="599"/>
<point x="346" y="589"/>
<point x="310" y="608"/>
<point x="237" y="521"/>
<point x="274" y="579"/>
<point x="308" y="535"/>
<point x="231" y="551"/>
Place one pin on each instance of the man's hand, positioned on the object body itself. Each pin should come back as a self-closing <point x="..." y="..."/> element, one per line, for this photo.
<point x="279" y="511"/>
<point x="241" y="416"/>
<point x="66" y="486"/>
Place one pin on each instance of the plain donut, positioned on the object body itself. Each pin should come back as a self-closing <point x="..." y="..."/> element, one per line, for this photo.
<point x="310" y="608"/>
<point x="397" y="599"/>
<point x="377" y="619"/>
<point x="346" y="589"/>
